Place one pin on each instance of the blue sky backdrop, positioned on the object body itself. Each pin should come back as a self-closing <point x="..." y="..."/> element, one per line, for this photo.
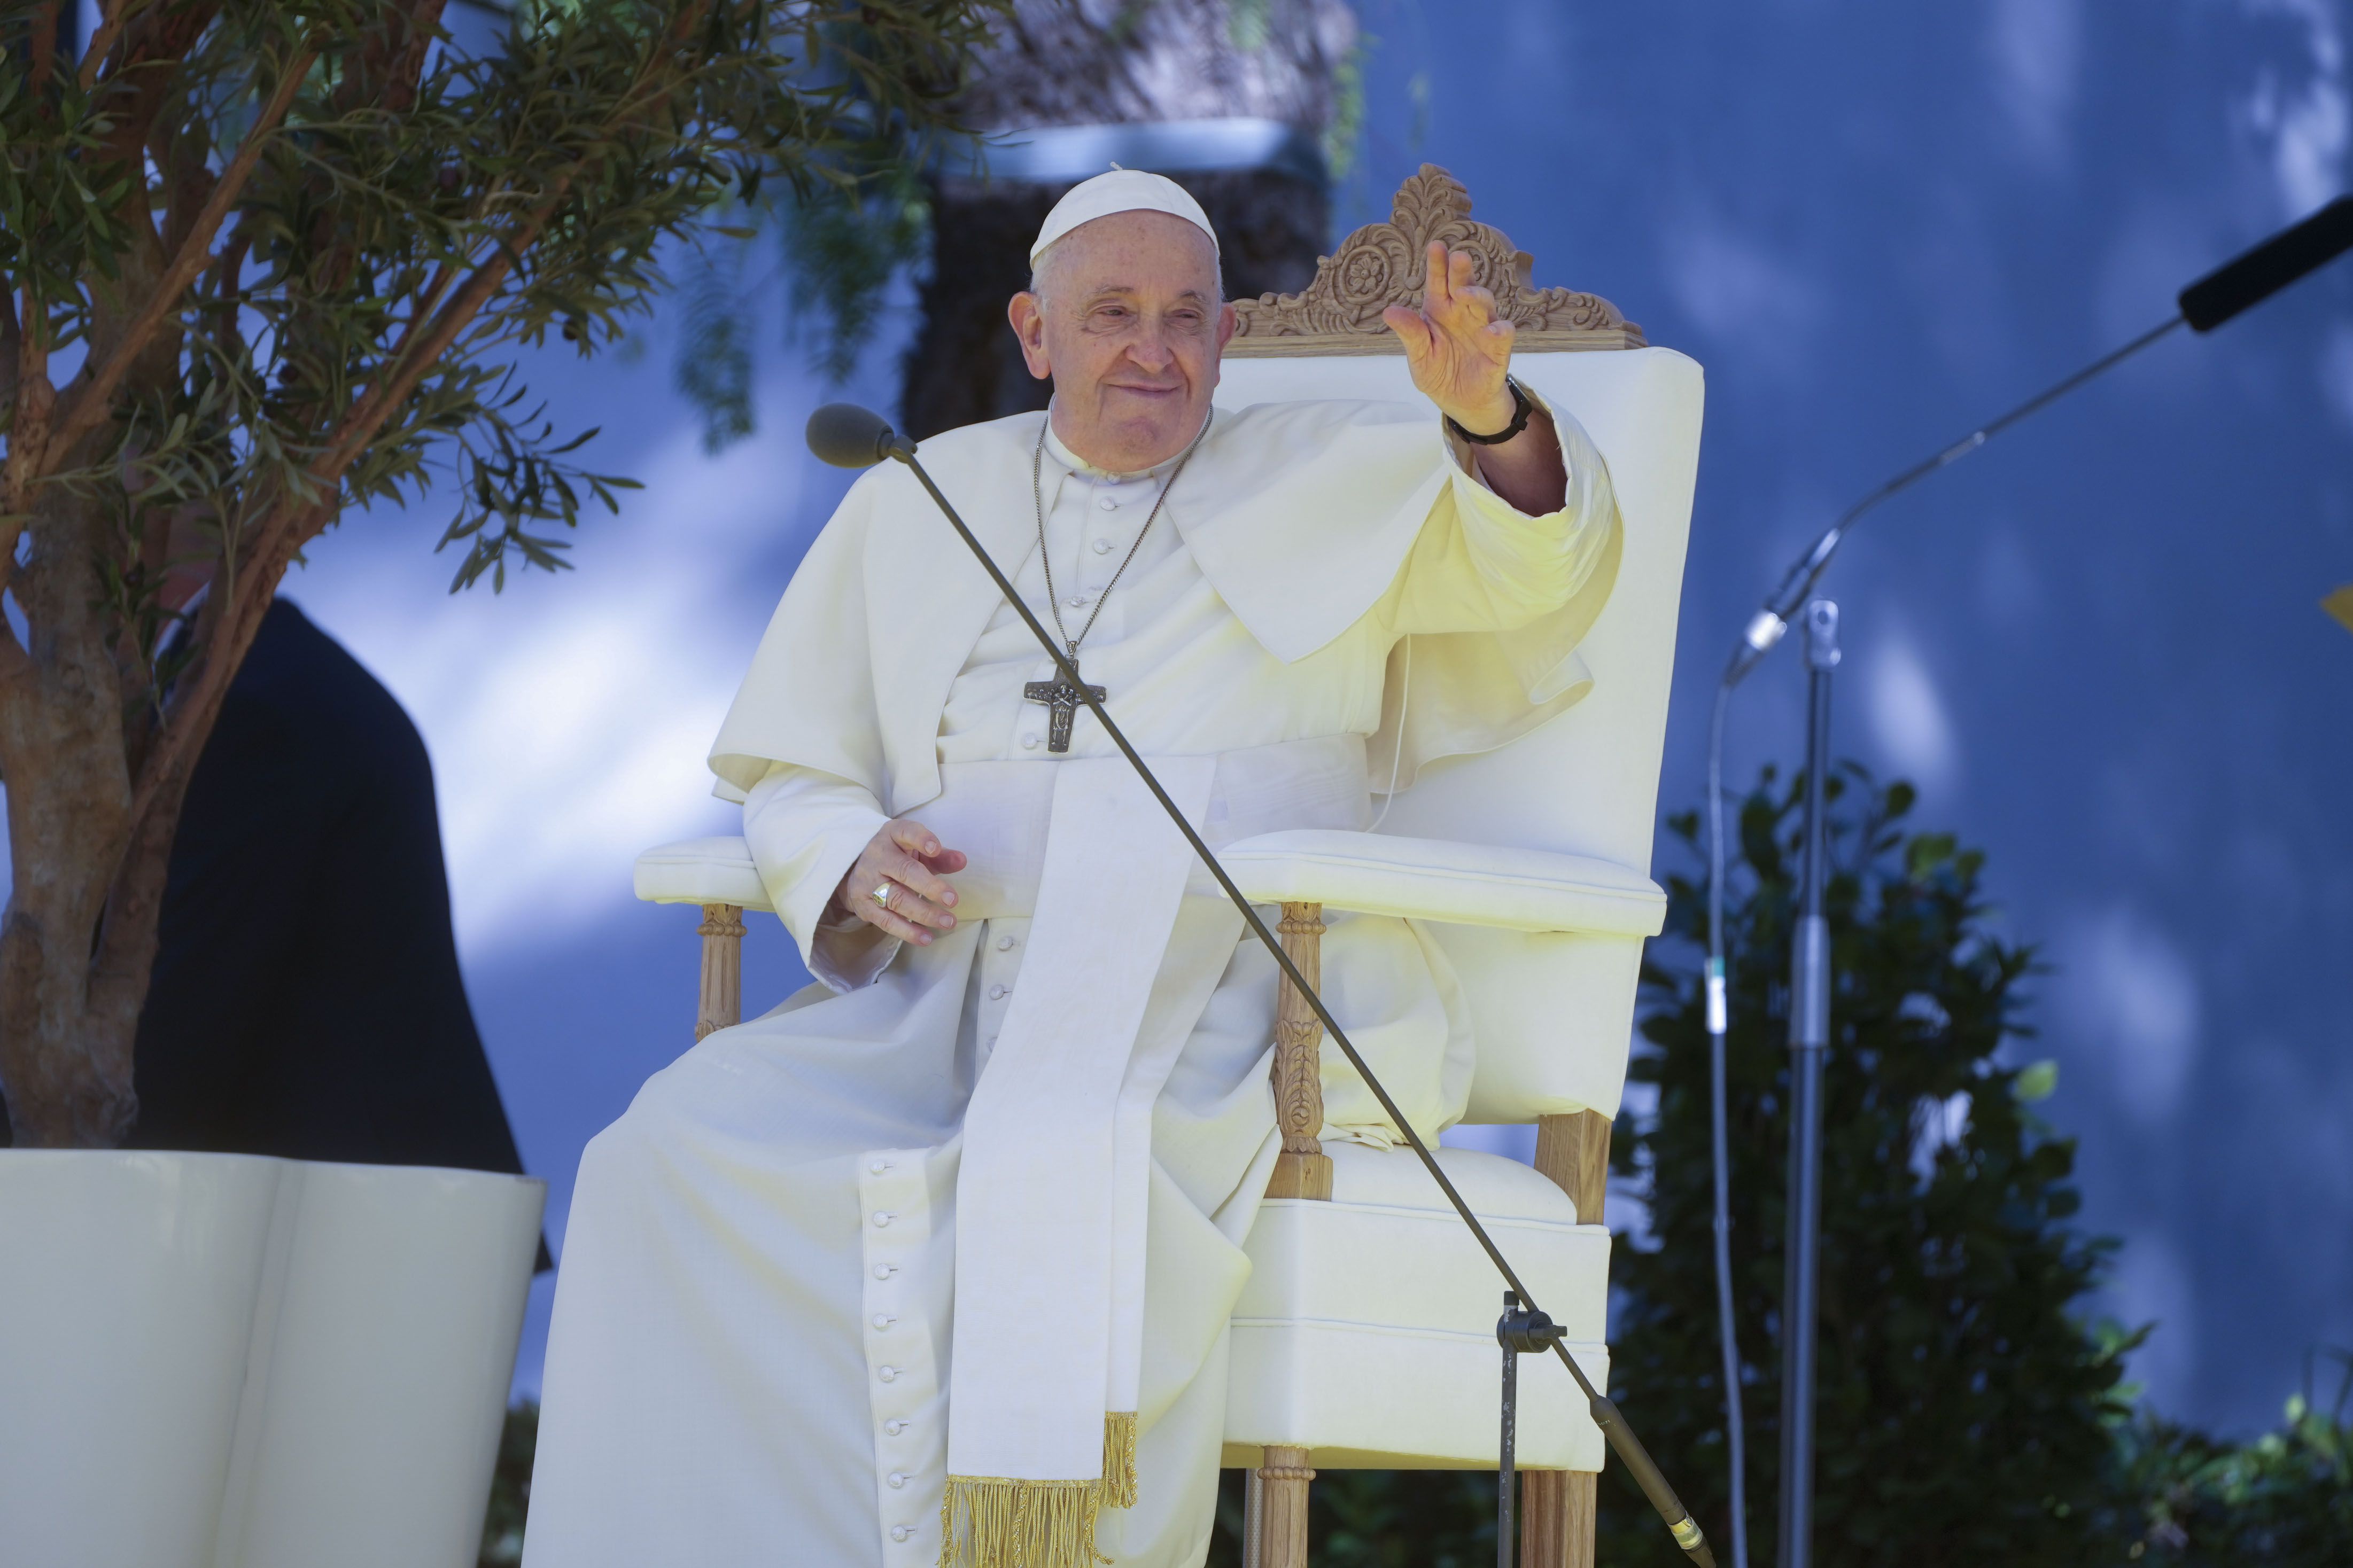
<point x="2095" y="647"/>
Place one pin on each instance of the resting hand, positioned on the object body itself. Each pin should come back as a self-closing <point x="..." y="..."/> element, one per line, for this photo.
<point x="907" y="857"/>
<point x="1456" y="346"/>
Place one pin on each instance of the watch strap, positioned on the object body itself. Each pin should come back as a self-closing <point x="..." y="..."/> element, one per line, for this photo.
<point x="1522" y="408"/>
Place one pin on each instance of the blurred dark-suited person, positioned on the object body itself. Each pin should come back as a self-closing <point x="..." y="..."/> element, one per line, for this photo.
<point x="306" y="999"/>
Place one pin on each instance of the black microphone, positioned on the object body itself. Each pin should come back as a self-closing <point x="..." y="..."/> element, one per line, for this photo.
<point x="2270" y="267"/>
<point x="2233" y="287"/>
<point x="849" y="436"/>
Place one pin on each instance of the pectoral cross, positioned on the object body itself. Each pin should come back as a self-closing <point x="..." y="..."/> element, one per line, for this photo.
<point x="1062" y="700"/>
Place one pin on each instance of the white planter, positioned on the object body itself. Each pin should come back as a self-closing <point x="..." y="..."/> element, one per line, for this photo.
<point x="220" y="1360"/>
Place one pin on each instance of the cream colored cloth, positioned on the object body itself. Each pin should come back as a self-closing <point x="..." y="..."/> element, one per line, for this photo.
<point x="753" y="1338"/>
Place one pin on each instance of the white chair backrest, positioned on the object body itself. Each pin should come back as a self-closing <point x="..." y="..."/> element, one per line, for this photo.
<point x="1553" y="1013"/>
<point x="1587" y="782"/>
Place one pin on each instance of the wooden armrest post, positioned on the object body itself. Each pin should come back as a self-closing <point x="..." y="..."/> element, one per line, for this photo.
<point x="1302" y="1170"/>
<point x="721" y="1003"/>
<point x="1557" y="1507"/>
<point x="1274" y="1523"/>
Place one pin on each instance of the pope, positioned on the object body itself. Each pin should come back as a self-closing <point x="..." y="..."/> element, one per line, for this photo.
<point x="933" y="1263"/>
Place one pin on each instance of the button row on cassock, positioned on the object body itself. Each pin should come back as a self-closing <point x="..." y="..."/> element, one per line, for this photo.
<point x="883" y="1183"/>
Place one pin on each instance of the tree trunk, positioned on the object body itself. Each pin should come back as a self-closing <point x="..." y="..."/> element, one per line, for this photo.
<point x="1113" y="62"/>
<point x="65" y="1038"/>
<point x="91" y="845"/>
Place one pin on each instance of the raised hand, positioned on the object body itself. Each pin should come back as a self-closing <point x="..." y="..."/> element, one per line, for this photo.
<point x="1456" y="345"/>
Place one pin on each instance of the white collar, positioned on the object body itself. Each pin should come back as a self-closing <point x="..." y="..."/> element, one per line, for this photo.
<point x="1078" y="465"/>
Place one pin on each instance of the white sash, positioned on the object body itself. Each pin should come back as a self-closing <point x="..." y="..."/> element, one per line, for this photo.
<point x="1051" y="1197"/>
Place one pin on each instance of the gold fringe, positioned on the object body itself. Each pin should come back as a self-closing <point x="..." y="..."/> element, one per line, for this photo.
<point x="1119" y="1460"/>
<point x="995" y="1522"/>
<point x="990" y="1522"/>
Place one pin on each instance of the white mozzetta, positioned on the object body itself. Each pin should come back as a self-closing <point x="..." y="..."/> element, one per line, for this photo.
<point x="220" y="1360"/>
<point x="1435" y="879"/>
<point x="702" y="871"/>
<point x="1366" y="1331"/>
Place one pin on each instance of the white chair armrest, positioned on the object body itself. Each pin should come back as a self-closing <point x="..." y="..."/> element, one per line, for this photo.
<point x="702" y="871"/>
<point x="1435" y="879"/>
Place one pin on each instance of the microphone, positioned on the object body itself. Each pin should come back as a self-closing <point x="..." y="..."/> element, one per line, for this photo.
<point x="2270" y="267"/>
<point x="2236" y="286"/>
<point x="849" y="436"/>
<point x="1766" y="627"/>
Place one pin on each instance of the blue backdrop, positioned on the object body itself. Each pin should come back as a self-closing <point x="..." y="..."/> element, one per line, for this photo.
<point x="2095" y="647"/>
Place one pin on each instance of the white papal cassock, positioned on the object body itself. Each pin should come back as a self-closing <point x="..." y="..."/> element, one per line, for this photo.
<point x="750" y="1357"/>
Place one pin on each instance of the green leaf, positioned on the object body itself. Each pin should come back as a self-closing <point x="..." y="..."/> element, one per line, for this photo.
<point x="2036" y="1082"/>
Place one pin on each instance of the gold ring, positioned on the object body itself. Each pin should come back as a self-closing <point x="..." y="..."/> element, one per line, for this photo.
<point x="883" y="890"/>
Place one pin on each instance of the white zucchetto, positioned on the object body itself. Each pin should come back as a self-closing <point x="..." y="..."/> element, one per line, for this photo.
<point x="1120" y="191"/>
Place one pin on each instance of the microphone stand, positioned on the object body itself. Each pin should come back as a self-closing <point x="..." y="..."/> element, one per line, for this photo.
<point x="1521" y="1331"/>
<point x="1764" y="630"/>
<point x="2237" y="285"/>
<point x="1809" y="1038"/>
<point x="850" y="437"/>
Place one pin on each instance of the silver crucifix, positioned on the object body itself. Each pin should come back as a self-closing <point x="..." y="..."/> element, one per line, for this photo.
<point x="1062" y="700"/>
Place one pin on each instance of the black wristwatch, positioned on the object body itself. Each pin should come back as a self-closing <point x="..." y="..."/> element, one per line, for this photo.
<point x="1521" y="409"/>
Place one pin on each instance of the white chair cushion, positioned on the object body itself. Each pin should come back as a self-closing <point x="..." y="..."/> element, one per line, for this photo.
<point x="1367" y="1333"/>
<point x="1434" y="879"/>
<point x="702" y="871"/>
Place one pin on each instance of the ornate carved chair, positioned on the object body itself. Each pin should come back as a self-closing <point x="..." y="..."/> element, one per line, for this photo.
<point x="1365" y="1336"/>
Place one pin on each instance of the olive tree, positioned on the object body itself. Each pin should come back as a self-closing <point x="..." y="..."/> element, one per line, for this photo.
<point x="269" y="260"/>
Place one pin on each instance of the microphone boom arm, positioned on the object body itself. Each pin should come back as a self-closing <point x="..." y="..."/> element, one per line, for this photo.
<point x="1766" y="627"/>
<point x="1606" y="1415"/>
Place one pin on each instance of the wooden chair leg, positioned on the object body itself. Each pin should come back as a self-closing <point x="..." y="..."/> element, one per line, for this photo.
<point x="1275" y="1526"/>
<point x="1556" y="1521"/>
<point x="721" y="1004"/>
<point x="1302" y="1170"/>
<point x="1275" y="1531"/>
<point x="1557" y="1507"/>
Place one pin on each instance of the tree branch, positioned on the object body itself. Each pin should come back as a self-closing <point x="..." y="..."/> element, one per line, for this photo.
<point x="28" y="431"/>
<point x="43" y="48"/>
<point x="427" y="339"/>
<point x="180" y="160"/>
<point x="125" y="948"/>
<point x="413" y="356"/>
<point x="153" y="39"/>
<point x="101" y="40"/>
<point x="11" y="346"/>
<point x="88" y="398"/>
<point x="292" y="520"/>
<point x="226" y="626"/>
<point x="390" y="64"/>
